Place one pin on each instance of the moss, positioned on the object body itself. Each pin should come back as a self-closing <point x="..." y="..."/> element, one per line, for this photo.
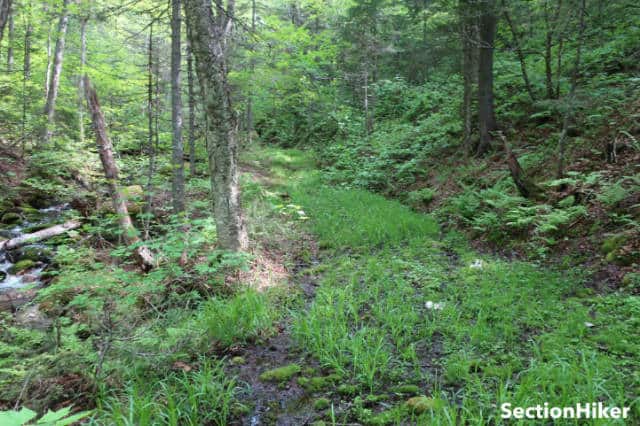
<point x="420" y="404"/>
<point x="11" y="218"/>
<point x="613" y="243"/>
<point x="346" y="389"/>
<point x="238" y="360"/>
<point x="407" y="389"/>
<point x="316" y="384"/>
<point x="280" y="374"/>
<point x="321" y="404"/>
<point x="22" y="265"/>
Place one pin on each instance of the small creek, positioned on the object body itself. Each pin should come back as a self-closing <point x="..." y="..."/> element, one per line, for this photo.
<point x="37" y="256"/>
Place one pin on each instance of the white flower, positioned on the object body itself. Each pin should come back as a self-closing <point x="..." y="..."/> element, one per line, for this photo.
<point x="433" y="306"/>
<point x="477" y="264"/>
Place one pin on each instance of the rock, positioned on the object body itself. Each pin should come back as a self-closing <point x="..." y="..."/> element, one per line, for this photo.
<point x="21" y="266"/>
<point x="321" y="404"/>
<point x="34" y="253"/>
<point x="407" y="389"/>
<point x="32" y="317"/>
<point x="238" y="360"/>
<point x="281" y="374"/>
<point x="13" y="299"/>
<point x="11" y="218"/>
<point x="135" y="198"/>
<point x="3" y="275"/>
<point x="420" y="404"/>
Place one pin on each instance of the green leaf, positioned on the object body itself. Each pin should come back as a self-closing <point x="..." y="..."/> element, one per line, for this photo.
<point x="16" y="418"/>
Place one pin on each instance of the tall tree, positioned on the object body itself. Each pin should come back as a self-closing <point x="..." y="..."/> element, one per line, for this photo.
<point x="5" y="11"/>
<point x="569" y="112"/>
<point x="177" y="159"/>
<point x="469" y="39"/>
<point x="52" y="93"/>
<point x="487" y="32"/>
<point x="11" y="41"/>
<point x="83" y="62"/>
<point x="517" y="46"/>
<point x="209" y="35"/>
<point x="192" y="111"/>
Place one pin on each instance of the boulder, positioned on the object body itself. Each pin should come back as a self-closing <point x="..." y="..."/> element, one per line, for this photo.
<point x="34" y="253"/>
<point x="11" y="218"/>
<point x="22" y="266"/>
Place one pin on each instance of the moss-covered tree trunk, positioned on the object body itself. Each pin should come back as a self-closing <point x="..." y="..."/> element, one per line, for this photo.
<point x="209" y="32"/>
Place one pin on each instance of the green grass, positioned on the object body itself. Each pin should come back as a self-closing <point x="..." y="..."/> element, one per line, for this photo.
<point x="507" y="332"/>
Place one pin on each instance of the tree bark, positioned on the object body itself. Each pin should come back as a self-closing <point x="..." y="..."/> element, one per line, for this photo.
<point x="525" y="187"/>
<point x="568" y="115"/>
<point x="208" y="39"/>
<point x="11" y="41"/>
<point x="192" y="112"/>
<point x="52" y="93"/>
<point x="517" y="45"/>
<point x="83" y="62"/>
<point x="486" y="115"/>
<point x="177" y="158"/>
<point x="43" y="234"/>
<point x="151" y="152"/>
<point x="551" y="27"/>
<point x="142" y="253"/>
<point x="5" y="10"/>
<point x="468" y="37"/>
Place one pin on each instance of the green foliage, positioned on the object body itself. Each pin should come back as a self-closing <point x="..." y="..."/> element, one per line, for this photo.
<point x="201" y="396"/>
<point x="241" y="318"/>
<point x="51" y="418"/>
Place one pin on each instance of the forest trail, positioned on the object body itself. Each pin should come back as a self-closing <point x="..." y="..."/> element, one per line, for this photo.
<point x="398" y="317"/>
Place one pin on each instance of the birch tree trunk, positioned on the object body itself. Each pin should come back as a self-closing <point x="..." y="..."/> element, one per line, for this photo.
<point x="52" y="93"/>
<point x="208" y="39"/>
<point x="141" y="252"/>
<point x="177" y="158"/>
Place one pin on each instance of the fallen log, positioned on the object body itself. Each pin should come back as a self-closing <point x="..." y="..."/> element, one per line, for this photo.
<point x="143" y="255"/>
<point x="43" y="234"/>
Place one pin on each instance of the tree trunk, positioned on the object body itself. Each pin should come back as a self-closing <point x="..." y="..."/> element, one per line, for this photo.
<point x="52" y="93"/>
<point x="568" y="115"/>
<point x="486" y="115"/>
<point x="26" y="72"/>
<point x="526" y="188"/>
<point x="177" y="158"/>
<point x="551" y="24"/>
<point x="142" y="253"/>
<point x="192" y="112"/>
<point x="11" y="41"/>
<point x="252" y="67"/>
<point x="208" y="42"/>
<point x="5" y="11"/>
<point x="39" y="236"/>
<point x="151" y="152"/>
<point x="83" y="62"/>
<point x="468" y="39"/>
<point x="518" y="48"/>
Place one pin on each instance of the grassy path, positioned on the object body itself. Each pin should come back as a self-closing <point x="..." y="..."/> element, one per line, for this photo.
<point x="409" y="326"/>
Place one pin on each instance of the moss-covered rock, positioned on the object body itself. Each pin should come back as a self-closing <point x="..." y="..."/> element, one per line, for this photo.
<point x="421" y="404"/>
<point x="35" y="253"/>
<point x="11" y="218"/>
<point x="238" y="360"/>
<point x="318" y="383"/>
<point x="21" y="266"/>
<point x="281" y="374"/>
<point x="407" y="389"/>
<point x="321" y="404"/>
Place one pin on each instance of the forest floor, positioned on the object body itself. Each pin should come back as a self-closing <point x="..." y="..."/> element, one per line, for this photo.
<point x="403" y="323"/>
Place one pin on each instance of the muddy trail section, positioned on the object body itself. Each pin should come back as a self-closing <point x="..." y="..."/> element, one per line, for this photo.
<point x="267" y="370"/>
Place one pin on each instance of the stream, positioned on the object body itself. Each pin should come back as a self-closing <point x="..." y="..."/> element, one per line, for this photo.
<point x="24" y="266"/>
